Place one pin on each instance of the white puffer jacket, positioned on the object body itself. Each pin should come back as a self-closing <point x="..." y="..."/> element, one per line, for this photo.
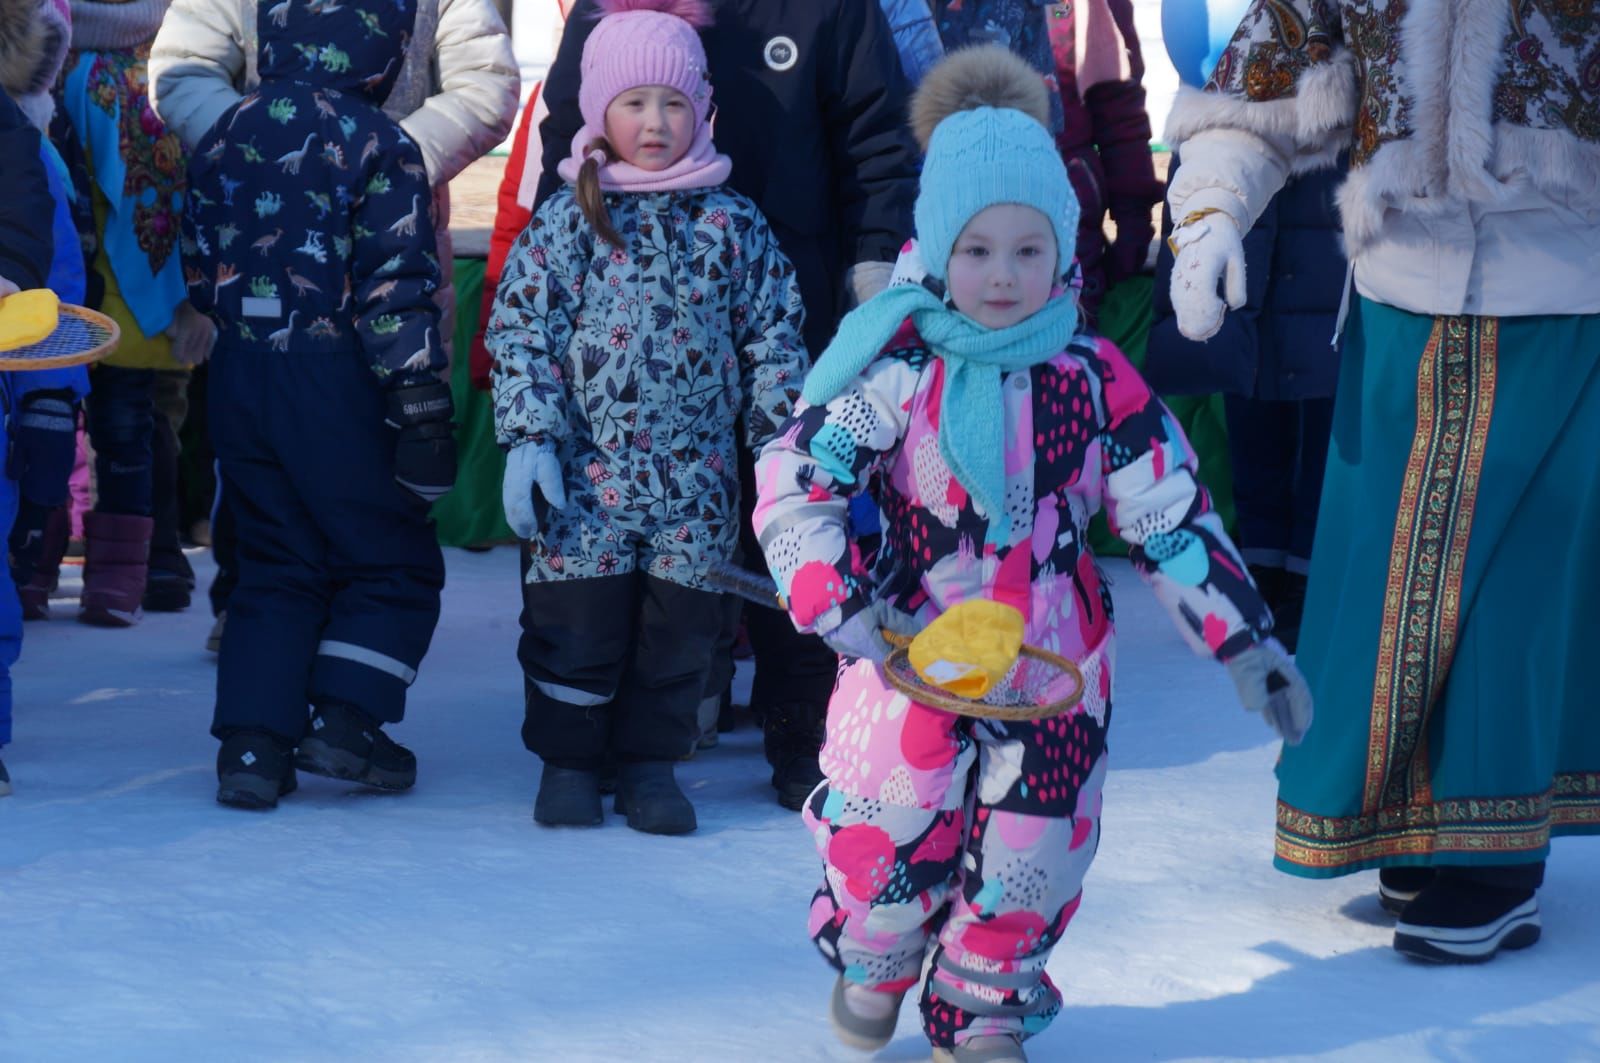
<point x="456" y="96"/>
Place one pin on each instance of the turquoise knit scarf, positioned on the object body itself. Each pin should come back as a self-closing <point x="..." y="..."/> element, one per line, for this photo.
<point x="971" y="413"/>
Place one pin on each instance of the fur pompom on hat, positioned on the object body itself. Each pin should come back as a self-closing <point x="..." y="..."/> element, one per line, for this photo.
<point x="644" y="42"/>
<point x="980" y="116"/>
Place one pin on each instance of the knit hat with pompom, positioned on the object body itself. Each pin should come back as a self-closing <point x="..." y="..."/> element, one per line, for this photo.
<point x="644" y="42"/>
<point x="981" y="117"/>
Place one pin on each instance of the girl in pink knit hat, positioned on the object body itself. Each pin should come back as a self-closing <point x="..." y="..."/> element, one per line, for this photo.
<point x="644" y="311"/>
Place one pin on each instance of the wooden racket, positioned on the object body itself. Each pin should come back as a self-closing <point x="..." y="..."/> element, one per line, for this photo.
<point x="81" y="336"/>
<point x="1039" y="685"/>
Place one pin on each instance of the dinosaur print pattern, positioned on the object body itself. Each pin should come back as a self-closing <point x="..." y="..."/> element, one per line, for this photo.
<point x="307" y="225"/>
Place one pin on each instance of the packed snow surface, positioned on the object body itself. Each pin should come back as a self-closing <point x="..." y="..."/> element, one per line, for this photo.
<point x="139" y="920"/>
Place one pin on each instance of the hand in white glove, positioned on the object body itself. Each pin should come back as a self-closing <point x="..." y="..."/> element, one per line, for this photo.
<point x="1207" y="249"/>
<point x="1269" y="683"/>
<point x="862" y="634"/>
<point x="7" y="287"/>
<point x="193" y="334"/>
<point x="864" y="280"/>
<point x="528" y="466"/>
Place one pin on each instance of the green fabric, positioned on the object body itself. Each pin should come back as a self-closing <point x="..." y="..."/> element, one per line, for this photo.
<point x="1125" y="318"/>
<point x="1508" y="753"/>
<point x="971" y="426"/>
<point x="471" y="514"/>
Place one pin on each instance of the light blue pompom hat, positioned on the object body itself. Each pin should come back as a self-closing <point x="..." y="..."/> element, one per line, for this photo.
<point x="983" y="156"/>
<point x="980" y="115"/>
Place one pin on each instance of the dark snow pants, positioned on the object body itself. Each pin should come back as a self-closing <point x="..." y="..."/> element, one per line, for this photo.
<point x="339" y="568"/>
<point x="614" y="664"/>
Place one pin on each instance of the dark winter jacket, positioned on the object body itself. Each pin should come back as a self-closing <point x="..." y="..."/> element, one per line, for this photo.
<point x="1103" y="133"/>
<point x="307" y="225"/>
<point x="1105" y="142"/>
<point x="1278" y="345"/>
<point x="26" y="209"/>
<point x="811" y="106"/>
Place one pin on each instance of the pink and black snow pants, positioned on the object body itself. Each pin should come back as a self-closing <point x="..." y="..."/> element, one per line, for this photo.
<point x="958" y="841"/>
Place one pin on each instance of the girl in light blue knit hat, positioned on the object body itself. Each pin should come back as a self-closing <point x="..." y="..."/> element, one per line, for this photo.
<point x="991" y="425"/>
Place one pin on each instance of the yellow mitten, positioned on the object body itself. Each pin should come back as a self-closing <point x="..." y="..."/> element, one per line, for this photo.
<point x="969" y="649"/>
<point x="27" y="317"/>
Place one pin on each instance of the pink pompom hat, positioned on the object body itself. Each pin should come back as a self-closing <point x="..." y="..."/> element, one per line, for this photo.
<point x="644" y="42"/>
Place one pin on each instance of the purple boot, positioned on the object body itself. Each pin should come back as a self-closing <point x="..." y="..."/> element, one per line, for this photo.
<point x="115" y="567"/>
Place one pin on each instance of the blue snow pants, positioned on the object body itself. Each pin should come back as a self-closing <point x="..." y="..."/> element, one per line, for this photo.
<point x="339" y="567"/>
<point x="10" y="612"/>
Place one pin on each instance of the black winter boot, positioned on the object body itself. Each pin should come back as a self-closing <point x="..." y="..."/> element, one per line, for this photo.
<point x="793" y="735"/>
<point x="1456" y="919"/>
<point x="254" y="769"/>
<point x="1399" y="886"/>
<point x="342" y="742"/>
<point x="649" y="796"/>
<point x="568" y="797"/>
<point x="5" y="780"/>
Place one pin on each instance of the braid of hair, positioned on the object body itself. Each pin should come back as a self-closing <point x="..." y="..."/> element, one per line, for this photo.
<point x="590" y="198"/>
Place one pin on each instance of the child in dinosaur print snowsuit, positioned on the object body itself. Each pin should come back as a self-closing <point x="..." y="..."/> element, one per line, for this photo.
<point x="645" y="309"/>
<point x="307" y="239"/>
<point x="993" y="426"/>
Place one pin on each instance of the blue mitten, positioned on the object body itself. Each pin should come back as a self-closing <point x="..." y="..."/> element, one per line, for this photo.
<point x="528" y="466"/>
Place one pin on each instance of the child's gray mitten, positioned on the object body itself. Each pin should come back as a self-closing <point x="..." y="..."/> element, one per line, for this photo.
<point x="1269" y="683"/>
<point x="862" y="634"/>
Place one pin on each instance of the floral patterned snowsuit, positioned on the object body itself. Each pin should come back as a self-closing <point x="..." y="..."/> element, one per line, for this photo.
<point x="636" y="364"/>
<point x="975" y="835"/>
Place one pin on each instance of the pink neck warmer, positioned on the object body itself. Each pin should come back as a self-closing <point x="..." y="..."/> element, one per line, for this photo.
<point x="700" y="167"/>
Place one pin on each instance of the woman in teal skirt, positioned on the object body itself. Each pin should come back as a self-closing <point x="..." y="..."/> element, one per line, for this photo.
<point x="1450" y="606"/>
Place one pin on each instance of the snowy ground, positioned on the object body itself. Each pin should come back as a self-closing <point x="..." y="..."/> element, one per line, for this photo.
<point x="141" y="921"/>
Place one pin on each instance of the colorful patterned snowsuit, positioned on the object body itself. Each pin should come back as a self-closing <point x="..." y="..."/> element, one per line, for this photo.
<point x="975" y="835"/>
<point x="308" y="240"/>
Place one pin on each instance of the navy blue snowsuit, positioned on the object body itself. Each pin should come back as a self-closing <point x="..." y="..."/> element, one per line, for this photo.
<point x="307" y="239"/>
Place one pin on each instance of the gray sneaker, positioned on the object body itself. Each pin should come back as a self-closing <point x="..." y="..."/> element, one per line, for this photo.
<point x="1005" y="1049"/>
<point x="859" y="1031"/>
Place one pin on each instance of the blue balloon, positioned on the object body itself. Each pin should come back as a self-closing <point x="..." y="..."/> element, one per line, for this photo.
<point x="1197" y="32"/>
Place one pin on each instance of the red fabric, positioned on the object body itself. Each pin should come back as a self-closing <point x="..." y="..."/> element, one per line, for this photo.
<point x="509" y="220"/>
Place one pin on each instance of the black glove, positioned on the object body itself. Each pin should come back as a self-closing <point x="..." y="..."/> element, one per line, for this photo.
<point x="425" y="453"/>
<point x="44" y="444"/>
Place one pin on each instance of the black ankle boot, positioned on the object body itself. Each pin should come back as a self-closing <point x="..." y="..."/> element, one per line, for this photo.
<point x="342" y="742"/>
<point x="793" y="736"/>
<point x="254" y="769"/>
<point x="568" y="797"/>
<point x="1458" y="920"/>
<point x="649" y="796"/>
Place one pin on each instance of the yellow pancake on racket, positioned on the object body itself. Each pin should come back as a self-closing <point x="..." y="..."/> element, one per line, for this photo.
<point x="28" y="317"/>
<point x="969" y="649"/>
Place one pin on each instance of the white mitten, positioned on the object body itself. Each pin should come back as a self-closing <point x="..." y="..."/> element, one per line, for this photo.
<point x="528" y="466"/>
<point x="1207" y="249"/>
